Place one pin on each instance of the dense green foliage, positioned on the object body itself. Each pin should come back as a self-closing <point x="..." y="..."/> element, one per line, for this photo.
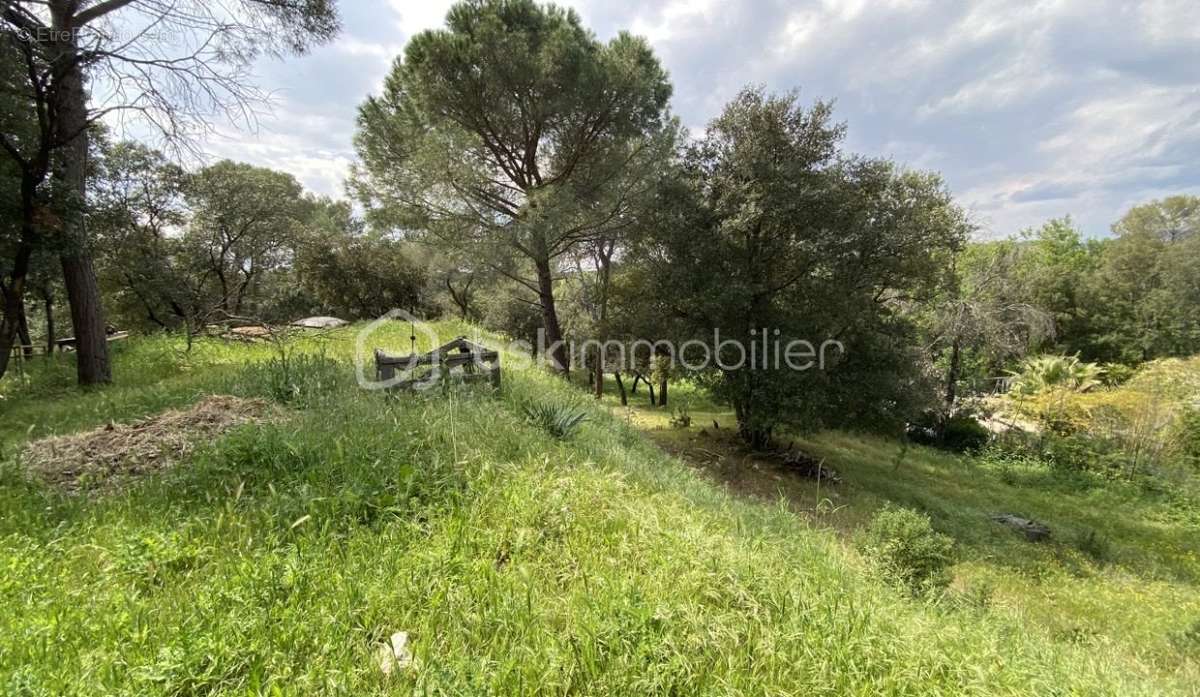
<point x="232" y="242"/>
<point x="1044" y="373"/>
<point x="517" y="172"/>
<point x="908" y="550"/>
<point x="1143" y="427"/>
<point x="172" y="81"/>
<point x="1126" y="299"/>
<point x="515" y="129"/>
<point x="774" y="233"/>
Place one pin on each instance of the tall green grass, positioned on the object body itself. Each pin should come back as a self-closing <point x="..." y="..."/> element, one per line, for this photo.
<point x="277" y="559"/>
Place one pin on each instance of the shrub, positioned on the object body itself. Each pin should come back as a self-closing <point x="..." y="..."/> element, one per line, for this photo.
<point x="1116" y="374"/>
<point x="964" y="433"/>
<point x="960" y="432"/>
<point x="1145" y="426"/>
<point x="1076" y="452"/>
<point x="908" y="550"/>
<point x="1009" y="456"/>
<point x="1068" y="462"/>
<point x="681" y="415"/>
<point x="1185" y="437"/>
<point x="559" y="420"/>
<point x="923" y="430"/>
<point x="1045" y="373"/>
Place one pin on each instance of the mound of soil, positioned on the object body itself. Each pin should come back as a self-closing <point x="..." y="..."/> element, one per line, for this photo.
<point x="112" y="454"/>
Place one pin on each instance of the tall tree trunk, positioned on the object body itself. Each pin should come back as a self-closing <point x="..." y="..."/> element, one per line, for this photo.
<point x="752" y="428"/>
<point x="48" y="301"/>
<point x="13" y="292"/>
<point x="23" y="330"/>
<point x="87" y="319"/>
<point x="556" y="350"/>
<point x="953" y="373"/>
<point x="604" y="264"/>
<point x="621" y="388"/>
<point x="599" y="373"/>
<point x="662" y="365"/>
<point x="79" y="275"/>
<point x="461" y="299"/>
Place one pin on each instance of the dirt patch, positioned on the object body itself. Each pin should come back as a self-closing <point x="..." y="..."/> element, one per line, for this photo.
<point x="113" y="454"/>
<point x="723" y="457"/>
<point x="807" y="466"/>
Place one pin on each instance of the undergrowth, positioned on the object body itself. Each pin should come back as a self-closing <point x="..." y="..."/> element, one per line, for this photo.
<point x="280" y="556"/>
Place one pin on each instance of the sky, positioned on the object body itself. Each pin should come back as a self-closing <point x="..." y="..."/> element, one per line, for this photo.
<point x="1030" y="110"/>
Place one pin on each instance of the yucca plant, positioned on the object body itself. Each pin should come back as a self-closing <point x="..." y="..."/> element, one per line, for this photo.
<point x="559" y="420"/>
<point x="1043" y="373"/>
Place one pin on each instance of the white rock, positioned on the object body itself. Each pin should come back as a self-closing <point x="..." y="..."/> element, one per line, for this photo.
<point x="396" y="656"/>
<point x="320" y="322"/>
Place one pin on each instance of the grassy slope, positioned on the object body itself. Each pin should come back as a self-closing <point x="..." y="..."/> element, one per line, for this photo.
<point x="283" y="553"/>
<point x="1121" y="573"/>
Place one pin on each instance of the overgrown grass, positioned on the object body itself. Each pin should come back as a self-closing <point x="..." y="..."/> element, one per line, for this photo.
<point x="279" y="557"/>
<point x="1120" y="575"/>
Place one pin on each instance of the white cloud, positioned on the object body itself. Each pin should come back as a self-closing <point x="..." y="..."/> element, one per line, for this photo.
<point x="1029" y="109"/>
<point x="298" y="149"/>
<point x="675" y="17"/>
<point x="354" y="47"/>
<point x="413" y="16"/>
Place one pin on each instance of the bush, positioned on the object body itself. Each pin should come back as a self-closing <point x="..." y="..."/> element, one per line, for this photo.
<point x="1041" y="374"/>
<point x="560" y="421"/>
<point x="905" y="545"/>
<point x="963" y="433"/>
<point x="1076" y="452"/>
<point x="1146" y="426"/>
<point x="959" y="433"/>
<point x="681" y="415"/>
<point x="1076" y="457"/>
<point x="1116" y="374"/>
<point x="1185" y="437"/>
